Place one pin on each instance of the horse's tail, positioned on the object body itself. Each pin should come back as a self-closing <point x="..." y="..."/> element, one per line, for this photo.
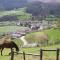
<point x="15" y="45"/>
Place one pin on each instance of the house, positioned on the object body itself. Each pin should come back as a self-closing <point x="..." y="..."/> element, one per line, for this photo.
<point x="15" y="35"/>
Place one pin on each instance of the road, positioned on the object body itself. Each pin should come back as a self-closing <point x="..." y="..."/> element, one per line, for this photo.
<point x="23" y="40"/>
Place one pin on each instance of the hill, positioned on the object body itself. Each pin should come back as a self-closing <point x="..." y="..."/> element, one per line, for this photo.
<point x="53" y="36"/>
<point x="42" y="9"/>
<point x="13" y="15"/>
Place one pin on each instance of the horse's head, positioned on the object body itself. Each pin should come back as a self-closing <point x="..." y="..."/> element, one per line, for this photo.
<point x="17" y="49"/>
<point x="15" y="46"/>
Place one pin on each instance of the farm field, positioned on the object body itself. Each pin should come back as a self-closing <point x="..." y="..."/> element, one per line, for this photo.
<point x="20" y="13"/>
<point x="53" y="36"/>
<point x="36" y="50"/>
<point x="5" y="29"/>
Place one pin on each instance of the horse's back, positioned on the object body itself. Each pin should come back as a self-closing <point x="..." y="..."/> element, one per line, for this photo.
<point x="1" y="42"/>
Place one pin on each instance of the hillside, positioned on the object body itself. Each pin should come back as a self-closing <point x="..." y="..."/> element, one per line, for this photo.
<point x="43" y="9"/>
<point x="53" y="36"/>
<point x="16" y="14"/>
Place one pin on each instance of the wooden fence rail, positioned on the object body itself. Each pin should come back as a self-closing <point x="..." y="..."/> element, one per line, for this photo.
<point x="41" y="54"/>
<point x="57" y="53"/>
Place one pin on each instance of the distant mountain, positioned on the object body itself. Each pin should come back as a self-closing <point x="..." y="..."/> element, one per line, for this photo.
<point x="11" y="4"/>
<point x="43" y="9"/>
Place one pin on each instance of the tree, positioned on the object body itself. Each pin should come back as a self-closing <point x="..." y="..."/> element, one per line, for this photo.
<point x="51" y="12"/>
<point x="35" y="8"/>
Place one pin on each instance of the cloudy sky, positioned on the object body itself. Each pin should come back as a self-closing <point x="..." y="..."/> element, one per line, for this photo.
<point x="47" y="0"/>
<point x="51" y="0"/>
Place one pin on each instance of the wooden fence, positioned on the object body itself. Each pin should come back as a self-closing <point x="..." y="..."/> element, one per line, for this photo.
<point x="57" y="53"/>
<point x="41" y="54"/>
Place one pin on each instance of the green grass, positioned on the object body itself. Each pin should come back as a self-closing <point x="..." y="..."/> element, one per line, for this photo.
<point x="35" y="50"/>
<point x="53" y="36"/>
<point x="18" y="41"/>
<point x="32" y="37"/>
<point x="53" y="33"/>
<point x="20" y="13"/>
<point x="5" y="29"/>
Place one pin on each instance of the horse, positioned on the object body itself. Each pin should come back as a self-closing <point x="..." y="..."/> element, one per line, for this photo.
<point x="6" y="42"/>
<point x="10" y="45"/>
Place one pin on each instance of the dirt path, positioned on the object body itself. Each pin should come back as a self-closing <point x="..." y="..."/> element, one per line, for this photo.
<point x="23" y="40"/>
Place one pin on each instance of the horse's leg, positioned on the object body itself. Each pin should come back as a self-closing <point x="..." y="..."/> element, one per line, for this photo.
<point x="1" y="51"/>
<point x="10" y="52"/>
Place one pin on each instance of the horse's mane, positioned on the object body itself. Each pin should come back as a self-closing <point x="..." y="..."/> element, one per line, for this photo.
<point x="15" y="45"/>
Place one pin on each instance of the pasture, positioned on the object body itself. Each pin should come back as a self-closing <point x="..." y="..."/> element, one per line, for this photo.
<point x="5" y="29"/>
<point x="20" y="13"/>
<point x="36" y="50"/>
<point x="53" y="36"/>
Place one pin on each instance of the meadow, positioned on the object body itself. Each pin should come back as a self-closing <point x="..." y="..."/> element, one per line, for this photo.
<point x="19" y="13"/>
<point x="53" y="36"/>
<point x="35" y="50"/>
<point x="54" y="43"/>
<point x="5" y="29"/>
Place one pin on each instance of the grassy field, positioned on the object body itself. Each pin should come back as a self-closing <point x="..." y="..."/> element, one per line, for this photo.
<point x="18" y="41"/>
<point x="53" y="36"/>
<point x="4" y="29"/>
<point x="36" y="50"/>
<point x="20" y="13"/>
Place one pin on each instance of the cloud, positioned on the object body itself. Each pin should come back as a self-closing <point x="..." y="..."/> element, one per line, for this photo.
<point x="47" y="0"/>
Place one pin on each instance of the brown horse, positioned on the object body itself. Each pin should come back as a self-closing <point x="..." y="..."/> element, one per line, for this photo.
<point x="7" y="43"/>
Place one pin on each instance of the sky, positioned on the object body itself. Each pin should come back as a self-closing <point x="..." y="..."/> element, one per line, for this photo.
<point x="48" y="0"/>
<point x="51" y="0"/>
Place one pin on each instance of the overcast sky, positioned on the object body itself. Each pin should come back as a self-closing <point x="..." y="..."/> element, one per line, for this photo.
<point x="48" y="0"/>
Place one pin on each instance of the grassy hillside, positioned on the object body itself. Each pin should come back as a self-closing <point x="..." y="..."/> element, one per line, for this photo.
<point x="5" y="29"/>
<point x="20" y="13"/>
<point x="18" y="41"/>
<point x="53" y="36"/>
<point x="33" y="37"/>
<point x="36" y="50"/>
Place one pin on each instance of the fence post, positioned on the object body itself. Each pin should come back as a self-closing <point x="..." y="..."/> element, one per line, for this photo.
<point x="41" y="54"/>
<point x="12" y="54"/>
<point x="57" y="57"/>
<point x="24" y="55"/>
